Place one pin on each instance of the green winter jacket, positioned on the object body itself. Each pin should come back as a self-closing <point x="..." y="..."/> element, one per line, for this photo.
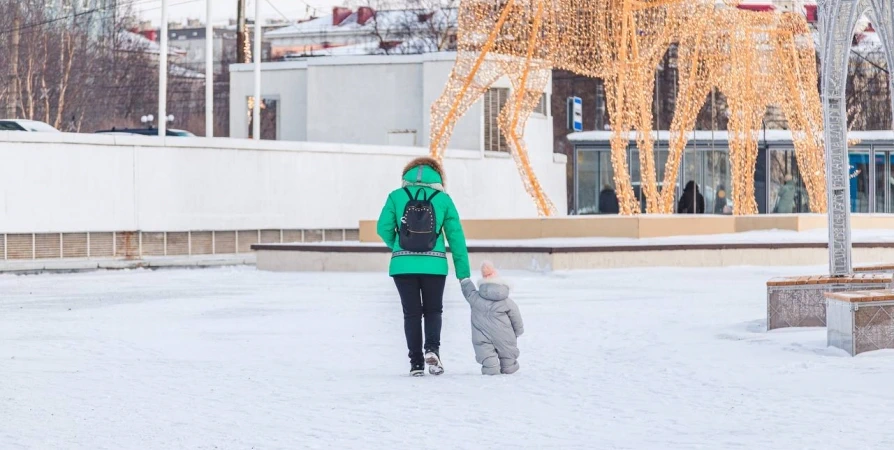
<point x="447" y="221"/>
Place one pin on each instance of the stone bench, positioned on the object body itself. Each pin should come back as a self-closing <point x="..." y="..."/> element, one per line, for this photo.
<point x="801" y="301"/>
<point x="860" y="321"/>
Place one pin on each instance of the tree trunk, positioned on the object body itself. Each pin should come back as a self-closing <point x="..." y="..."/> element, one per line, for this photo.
<point x="13" y="83"/>
<point x="67" y="49"/>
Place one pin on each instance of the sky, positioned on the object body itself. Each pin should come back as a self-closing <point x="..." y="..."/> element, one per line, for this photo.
<point x="225" y="9"/>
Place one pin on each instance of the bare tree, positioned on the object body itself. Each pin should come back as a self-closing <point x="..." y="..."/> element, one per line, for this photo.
<point x="77" y="74"/>
<point x="412" y="26"/>
<point x="868" y="93"/>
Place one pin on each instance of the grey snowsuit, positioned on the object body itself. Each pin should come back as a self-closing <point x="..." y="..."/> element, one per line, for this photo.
<point x="496" y="323"/>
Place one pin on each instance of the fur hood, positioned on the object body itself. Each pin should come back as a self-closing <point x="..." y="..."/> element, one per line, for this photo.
<point x="428" y="162"/>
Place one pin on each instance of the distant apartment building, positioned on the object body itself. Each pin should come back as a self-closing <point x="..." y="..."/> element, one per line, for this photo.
<point x="367" y="31"/>
<point x="192" y="42"/>
<point x="99" y="17"/>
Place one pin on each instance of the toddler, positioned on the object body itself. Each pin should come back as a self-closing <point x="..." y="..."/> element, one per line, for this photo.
<point x="496" y="322"/>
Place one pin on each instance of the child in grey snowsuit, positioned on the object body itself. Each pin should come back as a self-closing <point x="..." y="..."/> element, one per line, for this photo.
<point x="496" y="323"/>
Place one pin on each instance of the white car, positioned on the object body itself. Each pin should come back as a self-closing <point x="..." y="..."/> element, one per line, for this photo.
<point x="26" y="125"/>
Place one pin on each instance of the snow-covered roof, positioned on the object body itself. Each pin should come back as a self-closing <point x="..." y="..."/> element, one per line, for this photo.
<point x="369" y="47"/>
<point x="387" y="19"/>
<point x="135" y="42"/>
<point x="708" y="135"/>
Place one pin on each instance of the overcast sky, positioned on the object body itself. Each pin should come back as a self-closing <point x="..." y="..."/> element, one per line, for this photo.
<point x="225" y="9"/>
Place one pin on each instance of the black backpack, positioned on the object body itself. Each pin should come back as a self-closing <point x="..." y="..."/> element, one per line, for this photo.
<point x="418" y="225"/>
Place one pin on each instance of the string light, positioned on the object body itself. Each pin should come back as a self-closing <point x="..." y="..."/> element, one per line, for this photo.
<point x="755" y="58"/>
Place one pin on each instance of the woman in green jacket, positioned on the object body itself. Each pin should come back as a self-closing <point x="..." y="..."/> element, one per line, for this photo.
<point x="414" y="222"/>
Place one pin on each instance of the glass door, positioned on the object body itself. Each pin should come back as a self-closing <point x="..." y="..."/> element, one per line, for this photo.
<point x="716" y="182"/>
<point x="787" y="193"/>
<point x="880" y="191"/>
<point x="605" y="182"/>
<point x="691" y="171"/>
<point x="860" y="180"/>
<point x="587" y="182"/>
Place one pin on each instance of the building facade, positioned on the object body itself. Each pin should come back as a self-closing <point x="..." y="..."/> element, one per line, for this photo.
<point x="379" y="100"/>
<point x="192" y="42"/>
<point x="779" y="187"/>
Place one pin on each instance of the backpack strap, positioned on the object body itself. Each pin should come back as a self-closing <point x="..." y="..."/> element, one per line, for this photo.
<point x="409" y="194"/>
<point x="434" y="195"/>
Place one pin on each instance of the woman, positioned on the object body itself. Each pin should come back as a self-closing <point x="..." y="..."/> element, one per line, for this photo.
<point x="413" y="224"/>
<point x="692" y="201"/>
<point x="785" y="202"/>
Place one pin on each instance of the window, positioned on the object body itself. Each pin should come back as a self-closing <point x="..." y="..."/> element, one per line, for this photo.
<point x="269" y="118"/>
<point x="10" y="126"/>
<point x="541" y="106"/>
<point x="494" y="100"/>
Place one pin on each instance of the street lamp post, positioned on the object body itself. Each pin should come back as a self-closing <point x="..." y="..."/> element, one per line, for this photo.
<point x="209" y="71"/>
<point x="163" y="70"/>
<point x="256" y="113"/>
<point x="149" y="119"/>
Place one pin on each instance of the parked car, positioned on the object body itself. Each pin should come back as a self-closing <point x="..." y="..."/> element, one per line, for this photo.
<point x="147" y="132"/>
<point x="26" y="125"/>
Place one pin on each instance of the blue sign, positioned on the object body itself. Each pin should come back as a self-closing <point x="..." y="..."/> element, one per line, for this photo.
<point x="575" y="114"/>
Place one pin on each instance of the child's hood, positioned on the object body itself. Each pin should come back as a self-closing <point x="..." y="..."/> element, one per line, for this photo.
<point x="493" y="289"/>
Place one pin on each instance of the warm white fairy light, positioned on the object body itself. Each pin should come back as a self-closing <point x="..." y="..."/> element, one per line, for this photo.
<point x="755" y="58"/>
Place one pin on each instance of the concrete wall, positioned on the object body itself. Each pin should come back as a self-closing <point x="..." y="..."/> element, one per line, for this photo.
<point x="51" y="183"/>
<point x="360" y="104"/>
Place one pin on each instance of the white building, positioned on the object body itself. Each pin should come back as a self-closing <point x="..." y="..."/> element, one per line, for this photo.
<point x="384" y="102"/>
<point x="374" y="100"/>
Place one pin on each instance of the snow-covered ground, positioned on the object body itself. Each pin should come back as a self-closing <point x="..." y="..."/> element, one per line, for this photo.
<point x="238" y="359"/>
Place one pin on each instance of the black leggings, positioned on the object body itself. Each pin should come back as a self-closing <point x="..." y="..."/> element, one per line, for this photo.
<point x="421" y="296"/>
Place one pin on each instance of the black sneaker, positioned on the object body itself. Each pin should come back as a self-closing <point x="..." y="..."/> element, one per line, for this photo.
<point x="433" y="359"/>
<point x="417" y="369"/>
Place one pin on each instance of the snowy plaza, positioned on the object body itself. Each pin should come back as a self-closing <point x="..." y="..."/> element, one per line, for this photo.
<point x="662" y="224"/>
<point x="235" y="358"/>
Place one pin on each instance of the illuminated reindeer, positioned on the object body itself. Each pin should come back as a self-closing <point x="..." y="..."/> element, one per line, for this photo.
<point x="620" y="41"/>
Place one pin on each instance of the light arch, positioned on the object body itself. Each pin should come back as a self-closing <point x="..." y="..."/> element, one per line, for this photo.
<point x="838" y="20"/>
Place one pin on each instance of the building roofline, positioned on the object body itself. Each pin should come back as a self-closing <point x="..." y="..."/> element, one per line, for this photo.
<point x="352" y="60"/>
